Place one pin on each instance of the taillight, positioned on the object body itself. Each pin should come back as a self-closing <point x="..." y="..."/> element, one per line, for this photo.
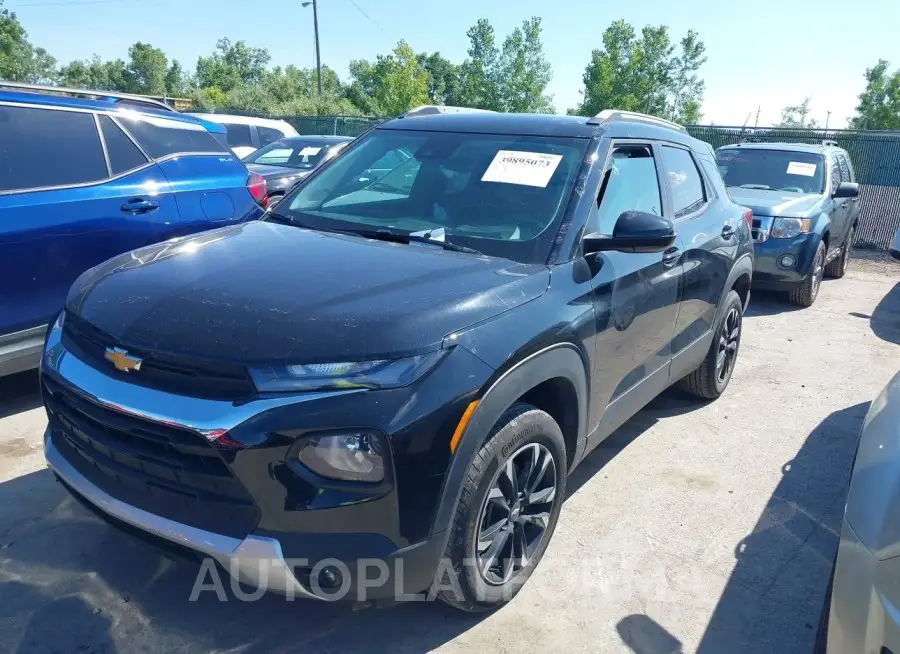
<point x="748" y="216"/>
<point x="256" y="184"/>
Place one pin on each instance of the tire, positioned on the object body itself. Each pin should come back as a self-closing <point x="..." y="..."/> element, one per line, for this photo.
<point x="274" y="198"/>
<point x="522" y="435"/>
<point x="805" y="294"/>
<point x="838" y="266"/>
<point x="711" y="378"/>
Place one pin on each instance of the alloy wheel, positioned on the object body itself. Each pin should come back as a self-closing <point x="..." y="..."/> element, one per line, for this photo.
<point x="817" y="273"/>
<point x="729" y="337"/>
<point x="516" y="513"/>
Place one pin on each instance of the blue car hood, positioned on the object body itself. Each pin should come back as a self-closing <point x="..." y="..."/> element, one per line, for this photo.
<point x="778" y="203"/>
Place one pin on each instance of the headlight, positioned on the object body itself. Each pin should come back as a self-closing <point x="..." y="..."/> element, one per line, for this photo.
<point x="383" y="373"/>
<point x="350" y="456"/>
<point x="789" y="227"/>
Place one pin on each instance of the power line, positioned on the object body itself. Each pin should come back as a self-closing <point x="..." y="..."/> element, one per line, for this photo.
<point x="372" y="20"/>
<point x="64" y="3"/>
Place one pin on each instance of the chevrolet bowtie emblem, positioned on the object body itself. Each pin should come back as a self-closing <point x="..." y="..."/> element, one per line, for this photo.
<point x="121" y="359"/>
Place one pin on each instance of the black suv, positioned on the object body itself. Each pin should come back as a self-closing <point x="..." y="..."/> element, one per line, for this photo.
<point x="381" y="387"/>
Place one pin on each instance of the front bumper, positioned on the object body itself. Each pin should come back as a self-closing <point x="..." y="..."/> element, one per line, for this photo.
<point x="769" y="274"/>
<point x="865" y="600"/>
<point x="302" y="524"/>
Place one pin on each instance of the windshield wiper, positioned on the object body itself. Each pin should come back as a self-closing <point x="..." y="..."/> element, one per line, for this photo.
<point x="405" y="237"/>
<point x="756" y="187"/>
<point x="274" y="216"/>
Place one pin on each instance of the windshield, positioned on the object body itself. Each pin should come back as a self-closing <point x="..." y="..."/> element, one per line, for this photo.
<point x="290" y="153"/>
<point x="502" y="195"/>
<point x="772" y="170"/>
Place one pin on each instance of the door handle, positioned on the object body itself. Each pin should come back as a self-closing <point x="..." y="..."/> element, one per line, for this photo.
<point x="671" y="256"/>
<point x="138" y="206"/>
<point x="727" y="230"/>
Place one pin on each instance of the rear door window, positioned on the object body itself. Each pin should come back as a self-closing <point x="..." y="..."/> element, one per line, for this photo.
<point x="239" y="135"/>
<point x="685" y="182"/>
<point x="161" y="136"/>
<point x="835" y="173"/>
<point x="268" y="135"/>
<point x="845" y="169"/>
<point x="42" y="148"/>
<point x="123" y="153"/>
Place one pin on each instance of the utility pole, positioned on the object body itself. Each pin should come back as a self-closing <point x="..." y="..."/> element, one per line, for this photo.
<point x="315" y="6"/>
<point x="827" y="120"/>
<point x="756" y="122"/>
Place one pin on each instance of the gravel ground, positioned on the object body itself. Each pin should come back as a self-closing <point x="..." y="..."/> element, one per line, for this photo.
<point x="695" y="527"/>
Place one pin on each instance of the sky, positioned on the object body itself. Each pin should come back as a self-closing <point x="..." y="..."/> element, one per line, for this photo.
<point x="763" y="55"/>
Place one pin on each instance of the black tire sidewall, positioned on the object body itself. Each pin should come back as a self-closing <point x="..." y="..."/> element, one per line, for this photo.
<point x="534" y="426"/>
<point x="731" y="300"/>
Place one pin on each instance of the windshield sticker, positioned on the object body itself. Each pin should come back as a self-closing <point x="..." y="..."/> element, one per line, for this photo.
<point x="309" y="151"/>
<point x="525" y="168"/>
<point x="800" y="168"/>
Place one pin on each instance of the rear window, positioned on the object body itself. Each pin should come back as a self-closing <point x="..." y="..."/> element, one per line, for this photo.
<point x="162" y="136"/>
<point x="268" y="135"/>
<point x="772" y="170"/>
<point x="46" y="147"/>
<point x="123" y="154"/>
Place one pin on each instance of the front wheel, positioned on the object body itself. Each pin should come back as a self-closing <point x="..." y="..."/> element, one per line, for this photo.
<point x="805" y="294"/>
<point x="507" y="511"/>
<point x="838" y="266"/>
<point x="711" y="378"/>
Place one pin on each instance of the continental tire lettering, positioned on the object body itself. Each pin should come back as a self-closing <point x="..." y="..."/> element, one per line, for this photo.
<point x="518" y="438"/>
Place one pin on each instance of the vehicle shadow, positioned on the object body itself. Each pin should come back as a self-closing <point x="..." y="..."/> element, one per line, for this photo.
<point x="885" y="320"/>
<point x="769" y="303"/>
<point x="670" y="403"/>
<point x="18" y="393"/>
<point x="70" y="582"/>
<point x="774" y="595"/>
<point x="643" y="635"/>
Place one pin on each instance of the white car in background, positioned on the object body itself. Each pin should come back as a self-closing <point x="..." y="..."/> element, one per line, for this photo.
<point x="247" y="134"/>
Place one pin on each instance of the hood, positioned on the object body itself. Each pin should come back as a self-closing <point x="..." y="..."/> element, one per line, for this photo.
<point x="777" y="203"/>
<point x="264" y="292"/>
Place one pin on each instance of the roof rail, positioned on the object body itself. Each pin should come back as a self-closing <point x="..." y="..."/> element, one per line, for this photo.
<point x="432" y="109"/>
<point x="608" y="115"/>
<point x="105" y="95"/>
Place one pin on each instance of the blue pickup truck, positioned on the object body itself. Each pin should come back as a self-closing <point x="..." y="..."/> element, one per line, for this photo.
<point x="85" y="176"/>
<point x="805" y="204"/>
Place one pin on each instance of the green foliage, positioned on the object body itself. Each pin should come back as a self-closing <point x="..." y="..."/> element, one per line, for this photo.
<point x="146" y="70"/>
<point x="797" y="116"/>
<point x="231" y="65"/>
<point x="524" y="71"/>
<point x="19" y="60"/>
<point x="395" y="83"/>
<point x="443" y="78"/>
<point x="644" y="73"/>
<point x="879" y="103"/>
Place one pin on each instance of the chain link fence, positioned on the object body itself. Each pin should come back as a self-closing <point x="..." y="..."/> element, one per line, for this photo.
<point x="334" y="125"/>
<point x="876" y="160"/>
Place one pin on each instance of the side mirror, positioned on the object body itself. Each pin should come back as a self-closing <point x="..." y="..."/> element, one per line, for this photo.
<point x="635" y="231"/>
<point x="847" y="190"/>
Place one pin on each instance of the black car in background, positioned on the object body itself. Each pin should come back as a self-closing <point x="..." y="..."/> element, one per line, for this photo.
<point x="286" y="161"/>
<point x="381" y="387"/>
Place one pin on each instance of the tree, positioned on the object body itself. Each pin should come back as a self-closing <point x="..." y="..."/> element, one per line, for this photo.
<point x="95" y="74"/>
<point x="395" y="83"/>
<point x="524" y="71"/>
<point x="644" y="73"/>
<point x="686" y="86"/>
<point x="797" y="116"/>
<point x="231" y="65"/>
<point x="146" y="70"/>
<point x="19" y="60"/>
<point x="443" y="78"/>
<point x="479" y="74"/>
<point x="879" y="103"/>
<point x="176" y="81"/>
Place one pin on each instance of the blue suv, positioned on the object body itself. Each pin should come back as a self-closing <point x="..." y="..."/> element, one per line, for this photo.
<point x="84" y="179"/>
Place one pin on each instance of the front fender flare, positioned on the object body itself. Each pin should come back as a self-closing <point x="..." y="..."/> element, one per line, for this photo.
<point x="562" y="360"/>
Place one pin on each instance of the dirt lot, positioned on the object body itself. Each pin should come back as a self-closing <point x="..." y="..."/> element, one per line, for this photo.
<point x="703" y="527"/>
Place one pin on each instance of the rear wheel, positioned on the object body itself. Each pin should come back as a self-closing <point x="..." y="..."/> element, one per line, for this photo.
<point x="711" y="379"/>
<point x="805" y="294"/>
<point x="507" y="511"/>
<point x="838" y="266"/>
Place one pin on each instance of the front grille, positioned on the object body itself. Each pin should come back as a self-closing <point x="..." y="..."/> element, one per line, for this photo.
<point x="173" y="374"/>
<point x="761" y="227"/>
<point x="168" y="471"/>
